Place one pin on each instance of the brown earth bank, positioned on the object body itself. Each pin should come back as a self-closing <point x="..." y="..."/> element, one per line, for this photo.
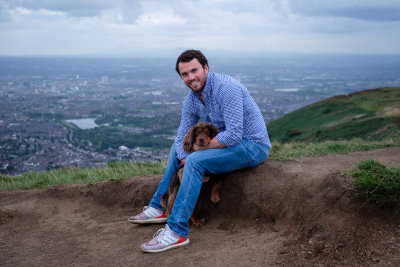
<point x="297" y="213"/>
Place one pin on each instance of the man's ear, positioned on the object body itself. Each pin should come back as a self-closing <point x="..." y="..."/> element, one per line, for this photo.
<point x="206" y="67"/>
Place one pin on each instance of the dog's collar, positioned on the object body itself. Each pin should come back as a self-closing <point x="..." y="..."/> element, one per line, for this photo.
<point x="181" y="165"/>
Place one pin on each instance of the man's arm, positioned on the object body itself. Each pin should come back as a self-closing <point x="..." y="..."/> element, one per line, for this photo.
<point x="214" y="143"/>
<point x="230" y="102"/>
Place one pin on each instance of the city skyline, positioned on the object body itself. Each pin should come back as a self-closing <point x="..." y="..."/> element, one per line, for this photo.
<point x="100" y="27"/>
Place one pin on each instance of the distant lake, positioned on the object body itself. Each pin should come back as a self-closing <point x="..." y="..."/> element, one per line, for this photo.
<point x="86" y="123"/>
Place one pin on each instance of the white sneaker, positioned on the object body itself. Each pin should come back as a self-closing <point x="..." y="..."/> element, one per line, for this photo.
<point x="149" y="215"/>
<point x="163" y="240"/>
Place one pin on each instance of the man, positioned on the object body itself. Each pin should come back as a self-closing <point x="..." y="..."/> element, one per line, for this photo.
<point x="242" y="142"/>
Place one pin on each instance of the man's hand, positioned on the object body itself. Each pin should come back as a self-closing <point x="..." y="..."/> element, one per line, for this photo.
<point x="197" y="147"/>
<point x="214" y="143"/>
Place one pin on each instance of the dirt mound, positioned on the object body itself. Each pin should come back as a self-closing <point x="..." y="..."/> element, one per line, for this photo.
<point x="280" y="213"/>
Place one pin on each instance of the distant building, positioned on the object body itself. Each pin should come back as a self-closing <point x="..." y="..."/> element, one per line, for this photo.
<point x="123" y="148"/>
<point x="104" y="79"/>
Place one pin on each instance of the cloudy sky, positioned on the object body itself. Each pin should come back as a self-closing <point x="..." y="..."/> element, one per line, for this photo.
<point x="74" y="27"/>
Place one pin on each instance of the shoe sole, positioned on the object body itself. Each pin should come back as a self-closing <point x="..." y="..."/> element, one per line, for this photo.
<point x="187" y="242"/>
<point x="159" y="220"/>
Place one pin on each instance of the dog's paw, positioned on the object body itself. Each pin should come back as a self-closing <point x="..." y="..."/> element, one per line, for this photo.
<point x="206" y="179"/>
<point x="198" y="222"/>
<point x="215" y="198"/>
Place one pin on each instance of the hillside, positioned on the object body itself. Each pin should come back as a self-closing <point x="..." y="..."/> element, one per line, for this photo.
<point x="296" y="213"/>
<point x="370" y="114"/>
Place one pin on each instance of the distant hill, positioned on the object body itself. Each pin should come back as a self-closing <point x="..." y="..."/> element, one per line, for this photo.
<point x="369" y="114"/>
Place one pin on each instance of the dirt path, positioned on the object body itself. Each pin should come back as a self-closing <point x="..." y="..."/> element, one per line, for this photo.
<point x="287" y="214"/>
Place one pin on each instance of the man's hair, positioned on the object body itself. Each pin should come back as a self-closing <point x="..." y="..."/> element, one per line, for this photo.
<point x="188" y="56"/>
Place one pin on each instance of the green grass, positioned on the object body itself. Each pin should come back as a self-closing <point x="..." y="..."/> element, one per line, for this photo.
<point x="117" y="171"/>
<point x="290" y="151"/>
<point x="69" y="124"/>
<point x="378" y="183"/>
<point x="114" y="171"/>
<point x="369" y="114"/>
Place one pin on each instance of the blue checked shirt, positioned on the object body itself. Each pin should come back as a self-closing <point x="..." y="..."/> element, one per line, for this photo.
<point x="229" y="106"/>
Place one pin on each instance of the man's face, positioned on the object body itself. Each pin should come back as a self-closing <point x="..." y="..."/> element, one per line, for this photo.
<point x="193" y="74"/>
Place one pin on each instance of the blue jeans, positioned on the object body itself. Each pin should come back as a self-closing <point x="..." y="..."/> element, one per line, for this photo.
<point x="220" y="160"/>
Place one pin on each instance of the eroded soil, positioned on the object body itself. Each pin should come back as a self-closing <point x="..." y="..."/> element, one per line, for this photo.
<point x="279" y="213"/>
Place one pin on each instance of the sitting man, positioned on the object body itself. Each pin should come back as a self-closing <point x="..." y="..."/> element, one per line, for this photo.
<point x="242" y="142"/>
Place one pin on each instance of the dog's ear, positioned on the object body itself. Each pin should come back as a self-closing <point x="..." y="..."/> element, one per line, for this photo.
<point x="188" y="140"/>
<point x="214" y="131"/>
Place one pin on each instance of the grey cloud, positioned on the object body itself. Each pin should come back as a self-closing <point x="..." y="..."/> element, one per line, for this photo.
<point x="228" y="16"/>
<point x="72" y="7"/>
<point x="253" y="6"/>
<point x="370" y="13"/>
<point x="78" y="8"/>
<point x="210" y="10"/>
<point x="368" y="10"/>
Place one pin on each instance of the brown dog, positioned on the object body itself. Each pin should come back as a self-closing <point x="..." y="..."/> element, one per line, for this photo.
<point x="200" y="134"/>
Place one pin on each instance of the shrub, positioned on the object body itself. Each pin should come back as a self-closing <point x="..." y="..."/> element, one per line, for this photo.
<point x="377" y="182"/>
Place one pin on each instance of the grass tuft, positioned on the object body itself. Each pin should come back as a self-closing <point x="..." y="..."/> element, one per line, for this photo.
<point x="377" y="182"/>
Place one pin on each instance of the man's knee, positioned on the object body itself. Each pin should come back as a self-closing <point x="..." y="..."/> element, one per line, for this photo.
<point x="193" y="160"/>
<point x="190" y="160"/>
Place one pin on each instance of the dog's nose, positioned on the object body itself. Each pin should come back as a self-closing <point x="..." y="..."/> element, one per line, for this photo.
<point x="201" y="139"/>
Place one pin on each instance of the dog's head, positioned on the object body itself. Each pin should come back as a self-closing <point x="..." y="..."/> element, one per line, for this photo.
<point x="200" y="134"/>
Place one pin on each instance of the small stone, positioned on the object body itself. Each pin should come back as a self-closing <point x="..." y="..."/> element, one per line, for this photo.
<point x="375" y="259"/>
<point x="309" y="255"/>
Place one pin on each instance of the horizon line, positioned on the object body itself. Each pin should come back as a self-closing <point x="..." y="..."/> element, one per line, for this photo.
<point x="209" y="54"/>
